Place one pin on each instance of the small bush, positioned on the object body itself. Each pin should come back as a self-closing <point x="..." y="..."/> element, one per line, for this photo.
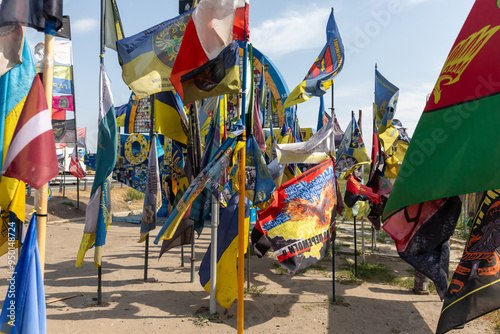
<point x="133" y="195"/>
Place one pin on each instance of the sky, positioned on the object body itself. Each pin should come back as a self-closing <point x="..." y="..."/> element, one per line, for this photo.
<point x="409" y="41"/>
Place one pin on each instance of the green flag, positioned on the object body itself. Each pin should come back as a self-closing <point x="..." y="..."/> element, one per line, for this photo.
<point x="113" y="30"/>
<point x="456" y="144"/>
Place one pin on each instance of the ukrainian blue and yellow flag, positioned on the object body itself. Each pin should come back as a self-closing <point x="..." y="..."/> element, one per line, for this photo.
<point x="62" y="80"/>
<point x="170" y="116"/>
<point x="386" y="99"/>
<point x="322" y="119"/>
<point x="219" y="76"/>
<point x="227" y="253"/>
<point x="147" y="58"/>
<point x="14" y="85"/>
<point x="328" y="64"/>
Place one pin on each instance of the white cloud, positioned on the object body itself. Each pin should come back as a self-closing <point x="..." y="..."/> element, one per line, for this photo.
<point x="84" y="25"/>
<point x="291" y="32"/>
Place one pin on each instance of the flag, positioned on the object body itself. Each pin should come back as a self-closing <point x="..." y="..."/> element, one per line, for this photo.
<point x="147" y="58"/>
<point x="328" y="64"/>
<point x="63" y="102"/>
<point x="63" y="53"/>
<point x="120" y="113"/>
<point x="351" y="150"/>
<point x="259" y="183"/>
<point x="422" y="232"/>
<point x="474" y="288"/>
<point x="31" y="13"/>
<point x="170" y="116"/>
<point x="459" y="120"/>
<point x="182" y="236"/>
<point x="74" y="165"/>
<point x="11" y="47"/>
<point x="62" y="80"/>
<point x="219" y="76"/>
<point x="64" y="130"/>
<point x="152" y="198"/>
<point x="82" y="135"/>
<point x="322" y="118"/>
<point x="386" y="98"/>
<point x="318" y="148"/>
<point x="23" y="309"/>
<point x="213" y="25"/>
<point x="98" y="214"/>
<point x="32" y="156"/>
<point x="299" y="221"/>
<point x="338" y="133"/>
<point x="395" y="142"/>
<point x="113" y="29"/>
<point x="15" y="86"/>
<point x="356" y="191"/>
<point x="226" y="288"/>
<point x="208" y="177"/>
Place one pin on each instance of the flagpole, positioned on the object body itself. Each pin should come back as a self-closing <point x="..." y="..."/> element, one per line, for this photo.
<point x="332" y="109"/>
<point x="151" y="138"/>
<point x="213" y="253"/>
<point x="241" y="205"/>
<point x="101" y="61"/>
<point x="41" y="194"/>
<point x="374" y="239"/>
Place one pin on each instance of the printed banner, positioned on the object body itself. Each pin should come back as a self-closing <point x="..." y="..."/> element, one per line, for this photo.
<point x="299" y="221"/>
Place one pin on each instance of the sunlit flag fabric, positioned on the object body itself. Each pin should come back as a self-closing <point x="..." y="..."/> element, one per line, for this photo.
<point x="11" y="47"/>
<point x="113" y="29"/>
<point x="218" y="76"/>
<point x="356" y="191"/>
<point x="152" y="196"/>
<point x="352" y="149"/>
<point x="23" y="310"/>
<point x="458" y="131"/>
<point x="98" y="214"/>
<point x="422" y="232"/>
<point x="74" y="165"/>
<point x="475" y="286"/>
<point x="147" y="58"/>
<point x="32" y="155"/>
<point x="385" y="91"/>
<point x="170" y="117"/>
<point x="214" y="24"/>
<point x="226" y="287"/>
<point x="328" y="64"/>
<point x="299" y="221"/>
<point x="15" y="86"/>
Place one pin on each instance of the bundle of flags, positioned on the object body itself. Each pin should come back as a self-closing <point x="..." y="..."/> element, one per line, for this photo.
<point x="423" y="208"/>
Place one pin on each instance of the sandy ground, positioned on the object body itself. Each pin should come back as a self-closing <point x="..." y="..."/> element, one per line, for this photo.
<point x="169" y="302"/>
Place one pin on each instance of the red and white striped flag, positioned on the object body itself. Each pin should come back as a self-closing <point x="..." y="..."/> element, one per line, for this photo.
<point x="32" y="154"/>
<point x="74" y="165"/>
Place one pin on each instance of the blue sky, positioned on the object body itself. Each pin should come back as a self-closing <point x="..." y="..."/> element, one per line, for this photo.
<point x="408" y="39"/>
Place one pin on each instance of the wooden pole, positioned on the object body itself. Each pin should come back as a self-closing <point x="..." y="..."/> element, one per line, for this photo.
<point x="41" y="195"/>
<point x="241" y="206"/>
<point x="241" y="236"/>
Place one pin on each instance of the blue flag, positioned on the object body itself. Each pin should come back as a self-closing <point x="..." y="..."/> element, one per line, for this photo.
<point x="23" y="310"/>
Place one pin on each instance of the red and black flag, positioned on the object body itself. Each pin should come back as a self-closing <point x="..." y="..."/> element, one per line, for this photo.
<point x="475" y="286"/>
<point x="356" y="191"/>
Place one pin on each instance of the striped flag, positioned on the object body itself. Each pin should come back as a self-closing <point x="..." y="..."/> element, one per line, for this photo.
<point x="32" y="155"/>
<point x="74" y="165"/>
<point x="98" y="214"/>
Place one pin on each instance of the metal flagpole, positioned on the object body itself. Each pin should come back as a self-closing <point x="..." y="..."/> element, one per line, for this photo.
<point x="213" y="253"/>
<point x="101" y="61"/>
<point x="334" y="213"/>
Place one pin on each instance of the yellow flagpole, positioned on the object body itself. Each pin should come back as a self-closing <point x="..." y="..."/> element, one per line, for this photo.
<point x="42" y="193"/>
<point x="241" y="235"/>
